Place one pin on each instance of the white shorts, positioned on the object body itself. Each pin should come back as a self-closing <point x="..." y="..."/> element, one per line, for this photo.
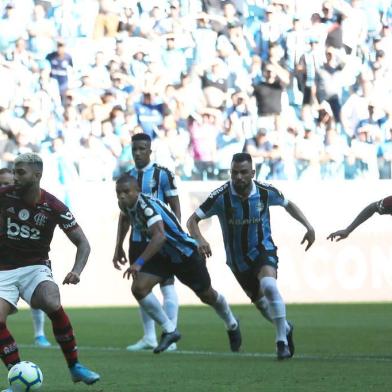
<point x="21" y="282"/>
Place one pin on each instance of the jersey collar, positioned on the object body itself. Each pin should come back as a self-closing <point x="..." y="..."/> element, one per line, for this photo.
<point x="252" y="192"/>
<point x="145" y="168"/>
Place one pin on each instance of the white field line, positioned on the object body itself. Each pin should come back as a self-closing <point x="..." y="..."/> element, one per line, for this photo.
<point x="299" y="356"/>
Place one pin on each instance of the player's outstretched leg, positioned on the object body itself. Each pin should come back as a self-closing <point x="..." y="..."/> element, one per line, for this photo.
<point x="8" y="349"/>
<point x="170" y="304"/>
<point x="149" y="339"/>
<point x="63" y="333"/>
<point x="290" y="338"/>
<point x="167" y="339"/>
<point x="278" y="314"/>
<point x="153" y="308"/>
<point x="282" y="350"/>
<point x="263" y="306"/>
<point x="235" y="338"/>
<point x="38" y="317"/>
<point x="81" y="373"/>
<point x="219" y="303"/>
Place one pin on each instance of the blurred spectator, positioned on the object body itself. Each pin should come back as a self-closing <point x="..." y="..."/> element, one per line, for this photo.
<point x="42" y="33"/>
<point x="260" y="148"/>
<point x="268" y="93"/>
<point x="375" y="122"/>
<point x="61" y="64"/>
<point x="365" y="155"/>
<point x="10" y="28"/>
<point x="149" y="114"/>
<point x="106" y="23"/>
<point x="329" y="82"/>
<point x="205" y="40"/>
<point x="384" y="155"/>
<point x="333" y="157"/>
<point x="203" y="133"/>
<point x="270" y="32"/>
<point x="228" y="142"/>
<point x="173" y="60"/>
<point x="171" y="147"/>
<point x="308" y="152"/>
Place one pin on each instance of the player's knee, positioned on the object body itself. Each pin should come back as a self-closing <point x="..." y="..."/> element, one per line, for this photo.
<point x="49" y="305"/>
<point x="139" y="291"/>
<point x="208" y="296"/>
<point x="268" y="286"/>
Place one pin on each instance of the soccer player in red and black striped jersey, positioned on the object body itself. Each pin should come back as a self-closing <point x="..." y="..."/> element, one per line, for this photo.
<point x="28" y="218"/>
<point x="6" y="179"/>
<point x="383" y="207"/>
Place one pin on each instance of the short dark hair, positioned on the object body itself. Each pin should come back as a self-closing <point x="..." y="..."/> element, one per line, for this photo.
<point x="126" y="178"/>
<point x="242" y="157"/>
<point x="141" y="137"/>
<point x="5" y="170"/>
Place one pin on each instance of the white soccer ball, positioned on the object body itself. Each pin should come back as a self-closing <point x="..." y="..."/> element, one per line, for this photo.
<point x="25" y="376"/>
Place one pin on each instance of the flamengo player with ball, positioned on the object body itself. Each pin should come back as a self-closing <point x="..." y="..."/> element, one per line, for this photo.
<point x="28" y="218"/>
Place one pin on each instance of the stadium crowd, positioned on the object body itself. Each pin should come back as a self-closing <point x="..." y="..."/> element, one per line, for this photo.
<point x="304" y="86"/>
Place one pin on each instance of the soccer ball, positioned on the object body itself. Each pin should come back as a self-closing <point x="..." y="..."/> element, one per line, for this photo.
<point x="25" y="376"/>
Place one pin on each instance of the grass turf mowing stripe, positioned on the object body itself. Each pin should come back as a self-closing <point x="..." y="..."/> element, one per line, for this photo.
<point x="336" y="357"/>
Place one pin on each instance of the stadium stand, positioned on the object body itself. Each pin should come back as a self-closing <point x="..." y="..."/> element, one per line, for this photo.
<point x="305" y="87"/>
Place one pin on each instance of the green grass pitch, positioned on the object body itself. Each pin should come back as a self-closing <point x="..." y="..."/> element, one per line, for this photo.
<point x="344" y="347"/>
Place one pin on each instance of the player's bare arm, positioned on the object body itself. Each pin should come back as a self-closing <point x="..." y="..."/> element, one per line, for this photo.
<point x="298" y="215"/>
<point x="79" y="239"/>
<point x="202" y="245"/>
<point x="157" y="234"/>
<point x="174" y="203"/>
<point x="119" y="257"/>
<point x="363" y="216"/>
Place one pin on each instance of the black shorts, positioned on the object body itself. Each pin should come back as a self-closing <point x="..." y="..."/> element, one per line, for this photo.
<point x="191" y="271"/>
<point x="157" y="265"/>
<point x="248" y="279"/>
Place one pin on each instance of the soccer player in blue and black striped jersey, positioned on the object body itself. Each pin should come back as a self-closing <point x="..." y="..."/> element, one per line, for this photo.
<point x="170" y="251"/>
<point x="159" y="182"/>
<point x="242" y="206"/>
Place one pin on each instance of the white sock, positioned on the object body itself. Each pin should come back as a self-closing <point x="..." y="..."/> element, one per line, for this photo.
<point x="153" y="308"/>
<point x="38" y="322"/>
<point x="170" y="302"/>
<point x="276" y="306"/>
<point x="264" y="307"/>
<point x="224" y="312"/>
<point x="148" y="326"/>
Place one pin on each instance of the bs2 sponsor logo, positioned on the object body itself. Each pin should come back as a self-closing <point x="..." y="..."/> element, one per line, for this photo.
<point x="15" y="230"/>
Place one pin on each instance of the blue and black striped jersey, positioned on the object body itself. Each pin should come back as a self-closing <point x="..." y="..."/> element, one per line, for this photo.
<point x="156" y="181"/>
<point x="245" y="223"/>
<point x="149" y="210"/>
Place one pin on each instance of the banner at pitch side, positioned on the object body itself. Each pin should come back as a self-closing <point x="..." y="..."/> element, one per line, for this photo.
<point x="356" y="269"/>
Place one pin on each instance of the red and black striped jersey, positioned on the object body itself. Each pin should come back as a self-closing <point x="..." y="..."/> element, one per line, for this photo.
<point x="26" y="231"/>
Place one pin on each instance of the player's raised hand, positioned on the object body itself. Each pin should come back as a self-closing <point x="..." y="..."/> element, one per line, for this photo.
<point x="71" y="278"/>
<point x="204" y="248"/>
<point x="338" y="235"/>
<point x="119" y="258"/>
<point x="309" y="237"/>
